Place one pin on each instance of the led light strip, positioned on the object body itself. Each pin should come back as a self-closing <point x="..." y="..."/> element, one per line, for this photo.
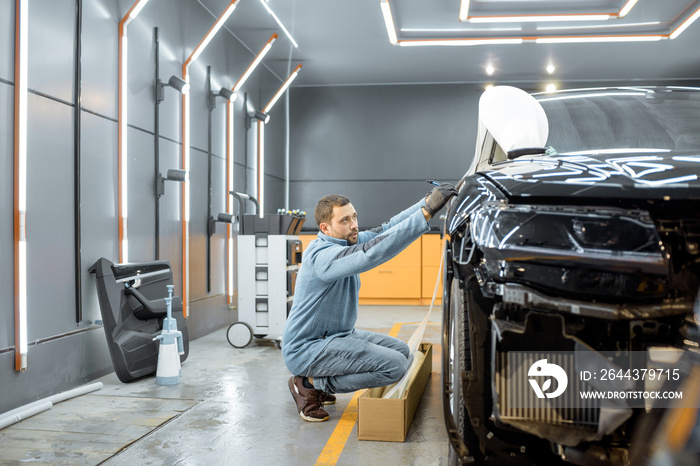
<point x="186" y="151"/>
<point x="539" y="18"/>
<point x="464" y="8"/>
<point x="229" y="202"/>
<point x="20" y="181"/>
<point x="282" y="88"/>
<point x="464" y="15"/>
<point x="684" y="25"/>
<point x="122" y="129"/>
<point x="261" y="139"/>
<point x="255" y="63"/>
<point x="279" y="23"/>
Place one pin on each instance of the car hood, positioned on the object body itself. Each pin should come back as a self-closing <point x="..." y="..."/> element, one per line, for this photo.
<point x="658" y="175"/>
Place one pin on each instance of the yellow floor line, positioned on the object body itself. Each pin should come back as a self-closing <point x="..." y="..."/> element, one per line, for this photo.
<point x="336" y="442"/>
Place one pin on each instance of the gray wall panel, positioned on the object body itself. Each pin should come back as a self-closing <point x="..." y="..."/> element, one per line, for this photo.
<point x="50" y="368"/>
<point x="382" y="132"/>
<point x="374" y="202"/>
<point x="50" y="219"/>
<point x="361" y="141"/>
<point x="99" y="77"/>
<point x="7" y="41"/>
<point x="171" y="213"/>
<point x="7" y="270"/>
<point x="142" y="197"/>
<point x="198" y="223"/>
<point x="99" y="225"/>
<point x="51" y="46"/>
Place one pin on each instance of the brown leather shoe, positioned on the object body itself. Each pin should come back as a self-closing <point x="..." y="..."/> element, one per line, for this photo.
<point x="326" y="398"/>
<point x="307" y="400"/>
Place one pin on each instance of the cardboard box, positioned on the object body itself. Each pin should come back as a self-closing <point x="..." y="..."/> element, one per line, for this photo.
<point x="389" y="419"/>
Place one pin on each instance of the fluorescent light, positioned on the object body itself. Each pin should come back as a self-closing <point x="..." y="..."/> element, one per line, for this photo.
<point x="281" y="90"/>
<point x="186" y="153"/>
<point x="626" y="9"/>
<point x="489" y="70"/>
<point x="595" y="26"/>
<point x="229" y="202"/>
<point x="136" y="9"/>
<point x="588" y="96"/>
<point x="513" y="29"/>
<point x="389" y="22"/>
<point x="464" y="10"/>
<point x="458" y="42"/>
<point x="679" y="30"/>
<point x="565" y="40"/>
<point x="123" y="129"/>
<point x="279" y="23"/>
<point x="536" y="18"/>
<point x="123" y="158"/>
<point x="214" y="29"/>
<point x="550" y="68"/>
<point x="255" y="63"/>
<point x="21" y="70"/>
<point x="261" y="168"/>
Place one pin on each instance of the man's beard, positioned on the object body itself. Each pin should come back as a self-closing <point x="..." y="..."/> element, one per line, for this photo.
<point x="352" y="238"/>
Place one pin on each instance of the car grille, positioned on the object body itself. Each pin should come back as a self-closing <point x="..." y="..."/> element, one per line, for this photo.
<point x="517" y="401"/>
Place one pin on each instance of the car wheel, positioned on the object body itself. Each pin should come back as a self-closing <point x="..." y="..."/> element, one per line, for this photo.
<point x="460" y="361"/>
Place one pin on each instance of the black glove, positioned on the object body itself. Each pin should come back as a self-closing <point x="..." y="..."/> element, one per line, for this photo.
<point x="438" y="197"/>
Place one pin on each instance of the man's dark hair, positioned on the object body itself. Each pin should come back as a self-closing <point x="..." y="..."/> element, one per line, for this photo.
<point x="323" y="212"/>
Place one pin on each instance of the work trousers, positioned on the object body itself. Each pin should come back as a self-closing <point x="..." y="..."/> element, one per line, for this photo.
<point x="362" y="359"/>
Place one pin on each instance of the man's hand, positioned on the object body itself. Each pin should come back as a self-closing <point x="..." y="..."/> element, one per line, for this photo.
<point x="438" y="197"/>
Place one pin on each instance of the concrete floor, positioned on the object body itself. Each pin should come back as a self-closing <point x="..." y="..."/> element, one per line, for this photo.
<point x="232" y="407"/>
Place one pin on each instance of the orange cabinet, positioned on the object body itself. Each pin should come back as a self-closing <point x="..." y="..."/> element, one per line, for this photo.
<point x="396" y="279"/>
<point x="432" y="248"/>
<point x="409" y="278"/>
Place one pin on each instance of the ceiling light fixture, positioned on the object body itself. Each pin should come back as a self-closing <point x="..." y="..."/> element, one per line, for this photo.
<point x="255" y="63"/>
<point x="679" y="30"/>
<point x="489" y="70"/>
<point x="513" y="29"/>
<point x="389" y="21"/>
<point x="538" y="18"/>
<point x="572" y="39"/>
<point x="550" y="68"/>
<point x="606" y="26"/>
<point x="626" y="9"/>
<point x="279" y="23"/>
<point x="458" y="42"/>
<point x="464" y="10"/>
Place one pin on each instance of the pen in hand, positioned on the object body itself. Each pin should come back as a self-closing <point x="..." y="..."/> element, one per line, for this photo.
<point x="433" y="182"/>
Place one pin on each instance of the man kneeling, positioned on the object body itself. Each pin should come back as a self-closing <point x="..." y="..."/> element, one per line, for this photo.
<point x="320" y="344"/>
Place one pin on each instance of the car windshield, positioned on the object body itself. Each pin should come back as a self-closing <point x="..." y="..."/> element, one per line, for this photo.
<point x="634" y="119"/>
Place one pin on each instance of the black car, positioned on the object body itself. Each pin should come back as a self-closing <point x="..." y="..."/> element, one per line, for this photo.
<point x="575" y="234"/>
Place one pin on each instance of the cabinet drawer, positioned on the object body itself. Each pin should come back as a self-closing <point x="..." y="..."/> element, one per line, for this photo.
<point x="391" y="282"/>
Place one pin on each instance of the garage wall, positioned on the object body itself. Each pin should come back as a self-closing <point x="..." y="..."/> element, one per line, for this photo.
<point x="378" y="144"/>
<point x="63" y="352"/>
